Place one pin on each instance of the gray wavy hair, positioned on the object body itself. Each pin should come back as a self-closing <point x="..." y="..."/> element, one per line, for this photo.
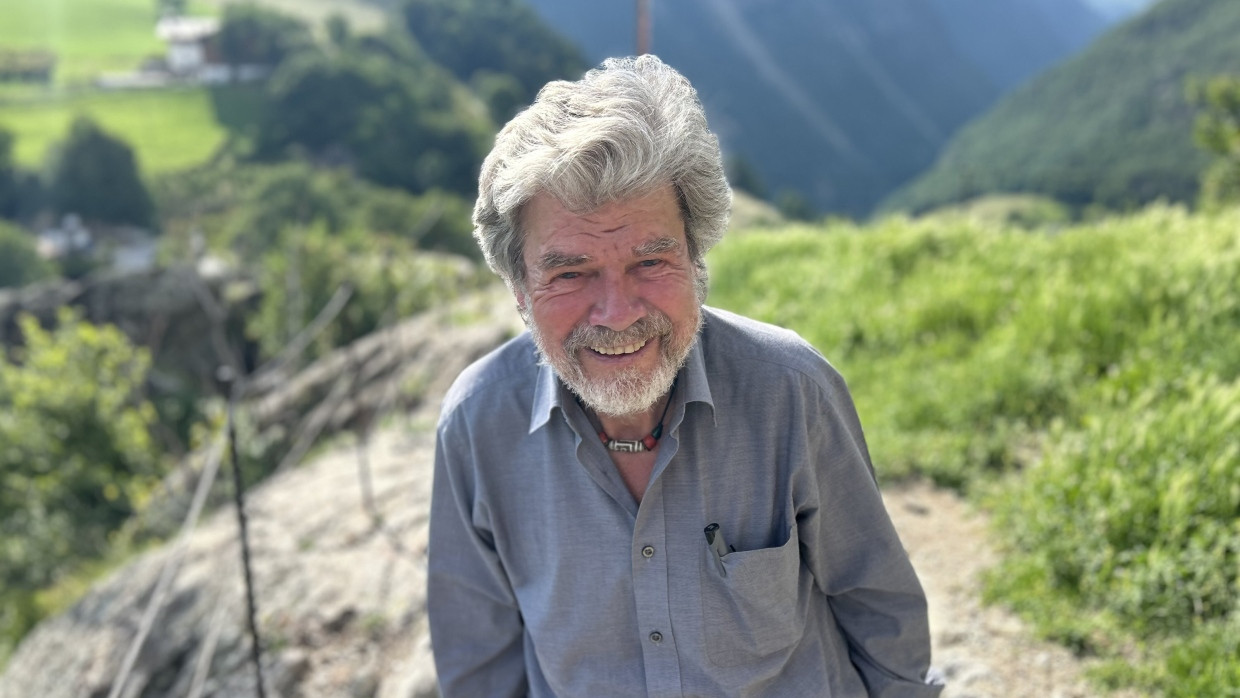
<point x="625" y="129"/>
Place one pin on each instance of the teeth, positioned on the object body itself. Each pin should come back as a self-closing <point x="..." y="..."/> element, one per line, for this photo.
<point x="616" y="351"/>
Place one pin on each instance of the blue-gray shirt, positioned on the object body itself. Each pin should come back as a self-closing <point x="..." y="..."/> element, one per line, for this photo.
<point x="546" y="578"/>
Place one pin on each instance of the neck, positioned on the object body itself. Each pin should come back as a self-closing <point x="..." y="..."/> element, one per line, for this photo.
<point x="633" y="426"/>
<point x="639" y="423"/>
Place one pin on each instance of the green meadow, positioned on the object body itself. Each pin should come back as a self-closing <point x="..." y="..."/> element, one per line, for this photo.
<point x="168" y="129"/>
<point x="88" y="36"/>
<point x="1081" y="382"/>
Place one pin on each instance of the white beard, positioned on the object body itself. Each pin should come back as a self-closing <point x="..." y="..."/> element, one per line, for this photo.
<point x="626" y="391"/>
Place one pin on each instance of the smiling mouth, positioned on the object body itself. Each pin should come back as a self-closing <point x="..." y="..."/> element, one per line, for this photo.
<point x="619" y="351"/>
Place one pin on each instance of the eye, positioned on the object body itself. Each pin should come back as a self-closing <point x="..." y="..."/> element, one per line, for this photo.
<point x="569" y="275"/>
<point x="650" y="262"/>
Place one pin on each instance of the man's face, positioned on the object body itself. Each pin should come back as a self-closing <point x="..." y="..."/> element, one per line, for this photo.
<point x="610" y="297"/>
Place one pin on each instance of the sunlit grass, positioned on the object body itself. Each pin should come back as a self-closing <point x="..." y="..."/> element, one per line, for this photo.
<point x="168" y="129"/>
<point x="87" y="36"/>
<point x="1085" y="379"/>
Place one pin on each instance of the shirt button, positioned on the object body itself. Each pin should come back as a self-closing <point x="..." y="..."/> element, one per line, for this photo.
<point x="656" y="636"/>
<point x="648" y="551"/>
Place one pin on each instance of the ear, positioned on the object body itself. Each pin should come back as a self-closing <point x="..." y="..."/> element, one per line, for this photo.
<point x="523" y="300"/>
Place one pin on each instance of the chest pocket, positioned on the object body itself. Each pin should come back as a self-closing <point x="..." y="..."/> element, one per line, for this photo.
<point x="758" y="607"/>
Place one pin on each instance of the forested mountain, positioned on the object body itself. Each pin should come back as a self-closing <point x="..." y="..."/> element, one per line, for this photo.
<point x="1111" y="126"/>
<point x="842" y="101"/>
<point x="1118" y="9"/>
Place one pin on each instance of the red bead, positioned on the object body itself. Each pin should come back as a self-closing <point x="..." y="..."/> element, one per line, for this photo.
<point x="603" y="435"/>
<point x="649" y="442"/>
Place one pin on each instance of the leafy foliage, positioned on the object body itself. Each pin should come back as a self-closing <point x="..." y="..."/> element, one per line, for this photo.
<point x="246" y="208"/>
<point x="77" y="455"/>
<point x="255" y="35"/>
<point x="1218" y="133"/>
<point x="20" y="263"/>
<point x="379" y="106"/>
<point x="479" y="39"/>
<point x="8" y="177"/>
<point x="95" y="176"/>
<point x="21" y="193"/>
<point x="1095" y="129"/>
<point x="388" y="280"/>
<point x="1087" y="380"/>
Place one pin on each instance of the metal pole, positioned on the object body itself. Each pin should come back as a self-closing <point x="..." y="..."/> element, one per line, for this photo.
<point x="239" y="494"/>
<point x="643" y="27"/>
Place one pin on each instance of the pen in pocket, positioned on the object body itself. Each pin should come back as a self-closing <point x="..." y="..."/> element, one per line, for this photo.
<point x="714" y="540"/>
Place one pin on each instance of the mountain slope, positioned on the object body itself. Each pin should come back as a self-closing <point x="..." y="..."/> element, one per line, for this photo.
<point x="840" y="100"/>
<point x="1110" y="126"/>
<point x="1013" y="41"/>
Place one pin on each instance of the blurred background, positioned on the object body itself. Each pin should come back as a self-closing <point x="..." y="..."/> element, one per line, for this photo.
<point x="1012" y="224"/>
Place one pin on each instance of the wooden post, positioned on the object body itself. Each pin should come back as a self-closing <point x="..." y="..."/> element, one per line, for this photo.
<point x="643" y="27"/>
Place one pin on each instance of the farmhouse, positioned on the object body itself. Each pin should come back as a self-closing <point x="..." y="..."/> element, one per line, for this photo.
<point x="192" y="56"/>
<point x="192" y="50"/>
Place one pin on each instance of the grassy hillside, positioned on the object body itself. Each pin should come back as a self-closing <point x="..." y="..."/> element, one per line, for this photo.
<point x="168" y="129"/>
<point x="1083" y="381"/>
<point x="1110" y="126"/>
<point x="363" y="15"/>
<point x="88" y="36"/>
<point x="94" y="36"/>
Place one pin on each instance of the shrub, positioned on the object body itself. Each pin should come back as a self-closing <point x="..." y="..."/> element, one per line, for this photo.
<point x="20" y="263"/>
<point x="76" y="456"/>
<point x="389" y="279"/>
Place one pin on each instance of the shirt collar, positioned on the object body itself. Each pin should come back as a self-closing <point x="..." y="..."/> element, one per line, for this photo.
<point x="550" y="393"/>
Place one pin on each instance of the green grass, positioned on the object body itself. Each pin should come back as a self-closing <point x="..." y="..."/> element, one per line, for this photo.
<point x="88" y="36"/>
<point x="168" y="129"/>
<point x="1083" y="382"/>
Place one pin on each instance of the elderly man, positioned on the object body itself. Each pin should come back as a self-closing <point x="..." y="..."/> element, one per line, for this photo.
<point x="643" y="495"/>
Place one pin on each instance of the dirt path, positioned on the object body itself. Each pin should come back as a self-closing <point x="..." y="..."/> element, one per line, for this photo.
<point x="983" y="651"/>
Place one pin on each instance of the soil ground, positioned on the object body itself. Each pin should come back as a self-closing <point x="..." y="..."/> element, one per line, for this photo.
<point x="983" y="651"/>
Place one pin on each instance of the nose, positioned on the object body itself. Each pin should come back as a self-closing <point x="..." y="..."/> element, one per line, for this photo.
<point x="617" y="304"/>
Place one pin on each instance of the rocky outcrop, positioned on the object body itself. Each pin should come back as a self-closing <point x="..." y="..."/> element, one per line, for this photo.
<point x="337" y="545"/>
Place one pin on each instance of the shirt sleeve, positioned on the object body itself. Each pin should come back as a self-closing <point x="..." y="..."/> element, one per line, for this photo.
<point x="857" y="560"/>
<point x="477" y="633"/>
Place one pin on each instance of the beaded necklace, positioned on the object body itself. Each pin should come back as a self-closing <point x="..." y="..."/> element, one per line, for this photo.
<point x="635" y="445"/>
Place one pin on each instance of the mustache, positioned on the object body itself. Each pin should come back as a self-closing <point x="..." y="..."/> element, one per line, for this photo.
<point x="645" y="328"/>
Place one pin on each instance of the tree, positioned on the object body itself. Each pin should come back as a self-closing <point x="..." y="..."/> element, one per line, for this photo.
<point x="8" y="177"/>
<point x="96" y="176"/>
<point x="377" y="107"/>
<point x="171" y="8"/>
<point x="389" y="280"/>
<point x="793" y="205"/>
<point x="292" y="195"/>
<point x="743" y="175"/>
<point x="1217" y="131"/>
<point x="500" y="36"/>
<point x="250" y="34"/>
<point x="20" y="263"/>
<point x="77" y="455"/>
<point x="21" y="192"/>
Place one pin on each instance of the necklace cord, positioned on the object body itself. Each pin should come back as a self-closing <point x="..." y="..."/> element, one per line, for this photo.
<point x="646" y="444"/>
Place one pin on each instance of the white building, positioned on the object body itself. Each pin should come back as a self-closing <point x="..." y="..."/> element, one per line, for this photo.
<point x="190" y="43"/>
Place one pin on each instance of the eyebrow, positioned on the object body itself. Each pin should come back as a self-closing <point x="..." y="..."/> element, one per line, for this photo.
<point x="555" y="260"/>
<point x="656" y="246"/>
